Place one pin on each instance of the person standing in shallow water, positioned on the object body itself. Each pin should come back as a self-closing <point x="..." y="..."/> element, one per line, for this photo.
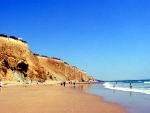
<point x="130" y="86"/>
<point x="115" y="84"/>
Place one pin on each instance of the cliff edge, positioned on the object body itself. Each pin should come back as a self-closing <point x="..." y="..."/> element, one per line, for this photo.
<point x="18" y="63"/>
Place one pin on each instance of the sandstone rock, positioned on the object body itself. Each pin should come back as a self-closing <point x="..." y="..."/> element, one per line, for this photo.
<point x="17" y="62"/>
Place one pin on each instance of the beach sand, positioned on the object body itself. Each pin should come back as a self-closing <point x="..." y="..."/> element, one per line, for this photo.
<point x="52" y="99"/>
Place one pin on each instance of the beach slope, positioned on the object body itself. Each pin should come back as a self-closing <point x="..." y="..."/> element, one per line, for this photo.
<point x="52" y="99"/>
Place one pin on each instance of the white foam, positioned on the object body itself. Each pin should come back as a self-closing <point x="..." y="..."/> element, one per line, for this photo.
<point x="147" y="82"/>
<point x="110" y="86"/>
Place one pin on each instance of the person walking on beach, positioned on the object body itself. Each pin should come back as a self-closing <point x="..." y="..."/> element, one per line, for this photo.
<point x="64" y="84"/>
<point x="61" y="83"/>
<point x="74" y="84"/>
<point x="1" y="83"/>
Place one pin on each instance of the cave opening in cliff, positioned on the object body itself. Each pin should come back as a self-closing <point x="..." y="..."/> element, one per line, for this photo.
<point x="22" y="67"/>
<point x="5" y="63"/>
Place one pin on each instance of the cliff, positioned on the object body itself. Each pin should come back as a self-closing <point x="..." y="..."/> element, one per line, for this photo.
<point x="18" y="63"/>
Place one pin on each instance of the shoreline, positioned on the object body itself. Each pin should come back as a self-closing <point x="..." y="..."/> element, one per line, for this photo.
<point x="53" y="99"/>
<point x="133" y="102"/>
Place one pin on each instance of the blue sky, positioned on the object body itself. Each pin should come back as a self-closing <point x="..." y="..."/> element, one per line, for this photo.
<point x="107" y="38"/>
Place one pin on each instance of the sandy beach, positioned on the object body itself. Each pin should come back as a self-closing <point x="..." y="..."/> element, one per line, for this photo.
<point x="52" y="99"/>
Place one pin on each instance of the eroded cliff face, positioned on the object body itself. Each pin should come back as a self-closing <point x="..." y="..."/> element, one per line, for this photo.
<point x="60" y="70"/>
<point x="18" y="63"/>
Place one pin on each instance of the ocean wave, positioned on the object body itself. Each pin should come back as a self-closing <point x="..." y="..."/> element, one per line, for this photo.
<point x="148" y="82"/>
<point x="110" y="86"/>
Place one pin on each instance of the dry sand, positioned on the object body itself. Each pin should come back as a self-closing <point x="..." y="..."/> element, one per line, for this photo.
<point x="52" y="99"/>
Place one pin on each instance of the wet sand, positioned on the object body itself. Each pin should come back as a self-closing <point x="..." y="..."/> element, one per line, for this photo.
<point x="52" y="99"/>
<point x="133" y="102"/>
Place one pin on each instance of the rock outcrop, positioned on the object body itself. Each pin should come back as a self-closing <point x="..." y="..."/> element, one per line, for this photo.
<point x="18" y="63"/>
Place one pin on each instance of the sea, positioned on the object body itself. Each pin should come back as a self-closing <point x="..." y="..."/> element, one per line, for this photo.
<point x="133" y="95"/>
<point x="139" y="86"/>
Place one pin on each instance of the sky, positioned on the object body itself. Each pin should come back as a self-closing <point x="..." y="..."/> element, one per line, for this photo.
<point x="109" y="39"/>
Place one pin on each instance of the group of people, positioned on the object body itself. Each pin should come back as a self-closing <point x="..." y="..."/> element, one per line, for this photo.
<point x="64" y="83"/>
<point x="130" y="85"/>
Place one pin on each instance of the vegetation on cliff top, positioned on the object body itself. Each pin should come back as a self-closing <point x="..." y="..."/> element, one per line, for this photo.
<point x="13" y="37"/>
